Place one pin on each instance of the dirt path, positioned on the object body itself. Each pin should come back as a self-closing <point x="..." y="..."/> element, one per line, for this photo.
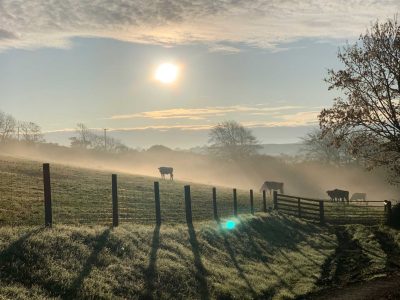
<point x="342" y="273"/>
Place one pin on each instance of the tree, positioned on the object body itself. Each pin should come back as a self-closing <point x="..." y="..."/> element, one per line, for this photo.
<point x="83" y="140"/>
<point x="319" y="147"/>
<point x="367" y="115"/>
<point x="30" y="132"/>
<point x="7" y="126"/>
<point x="87" y="139"/>
<point x="231" y="139"/>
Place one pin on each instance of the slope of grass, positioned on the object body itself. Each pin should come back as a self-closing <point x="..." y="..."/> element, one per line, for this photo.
<point x="82" y="196"/>
<point x="267" y="256"/>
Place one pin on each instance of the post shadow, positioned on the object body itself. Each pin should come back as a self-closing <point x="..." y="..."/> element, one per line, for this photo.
<point x="260" y="253"/>
<point x="235" y="262"/>
<point x="151" y="270"/>
<point x="201" y="271"/>
<point x="101" y="241"/>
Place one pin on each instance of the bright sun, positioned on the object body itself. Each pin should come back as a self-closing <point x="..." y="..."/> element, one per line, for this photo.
<point x="167" y="73"/>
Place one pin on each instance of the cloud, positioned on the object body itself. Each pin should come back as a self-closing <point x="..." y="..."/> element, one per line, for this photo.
<point x="304" y="118"/>
<point x="202" y="113"/>
<point x="258" y="23"/>
<point x="227" y="49"/>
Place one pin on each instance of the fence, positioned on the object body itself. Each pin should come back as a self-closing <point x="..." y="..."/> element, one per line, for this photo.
<point x="334" y="212"/>
<point x="65" y="195"/>
<point x="21" y="192"/>
<point x="72" y="196"/>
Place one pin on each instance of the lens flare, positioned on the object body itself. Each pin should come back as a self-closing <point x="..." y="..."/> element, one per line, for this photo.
<point x="230" y="225"/>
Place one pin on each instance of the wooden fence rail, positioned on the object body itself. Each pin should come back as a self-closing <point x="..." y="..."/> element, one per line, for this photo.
<point x="333" y="212"/>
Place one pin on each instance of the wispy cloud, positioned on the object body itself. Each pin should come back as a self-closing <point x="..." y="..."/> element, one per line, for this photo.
<point x="203" y="113"/>
<point x="260" y="23"/>
<point x="304" y="118"/>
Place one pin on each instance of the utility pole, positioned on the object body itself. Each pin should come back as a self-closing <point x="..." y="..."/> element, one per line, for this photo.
<point x="105" y="139"/>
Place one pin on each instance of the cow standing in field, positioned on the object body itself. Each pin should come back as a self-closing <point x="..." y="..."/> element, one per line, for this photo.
<point x="359" y="197"/>
<point x="272" y="186"/>
<point x="165" y="171"/>
<point x="338" y="195"/>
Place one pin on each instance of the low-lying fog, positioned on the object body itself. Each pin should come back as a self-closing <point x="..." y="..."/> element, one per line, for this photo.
<point x="308" y="179"/>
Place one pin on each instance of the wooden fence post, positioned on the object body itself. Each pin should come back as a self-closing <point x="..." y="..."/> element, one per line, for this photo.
<point x="251" y="202"/>
<point x="388" y="210"/>
<point x="264" y="201"/>
<point x="48" y="213"/>
<point x="214" y="198"/>
<point x="188" y="205"/>
<point x="115" y="215"/>
<point x="275" y="199"/>
<point x="299" y="207"/>
<point x="321" y="212"/>
<point x="157" y="202"/>
<point x="235" y="210"/>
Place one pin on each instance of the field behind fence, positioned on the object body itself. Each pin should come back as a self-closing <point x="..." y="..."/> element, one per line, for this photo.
<point x="367" y="212"/>
<point x="84" y="196"/>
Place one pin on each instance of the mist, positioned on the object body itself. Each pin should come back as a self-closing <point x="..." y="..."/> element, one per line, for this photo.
<point x="307" y="179"/>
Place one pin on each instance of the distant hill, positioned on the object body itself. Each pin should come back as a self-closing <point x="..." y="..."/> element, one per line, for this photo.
<point x="267" y="149"/>
<point x="278" y="149"/>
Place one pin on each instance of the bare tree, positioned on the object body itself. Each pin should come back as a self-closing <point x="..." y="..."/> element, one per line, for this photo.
<point x="231" y="139"/>
<point x="368" y="115"/>
<point x="320" y="147"/>
<point x="90" y="140"/>
<point x="84" y="138"/>
<point x="7" y="126"/>
<point x="30" y="132"/>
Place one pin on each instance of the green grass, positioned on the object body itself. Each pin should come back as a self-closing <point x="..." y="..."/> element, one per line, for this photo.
<point x="267" y="256"/>
<point x="83" y="196"/>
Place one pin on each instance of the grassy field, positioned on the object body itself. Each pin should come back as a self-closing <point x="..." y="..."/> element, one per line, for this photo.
<point x="264" y="256"/>
<point x="83" y="196"/>
<point x="267" y="256"/>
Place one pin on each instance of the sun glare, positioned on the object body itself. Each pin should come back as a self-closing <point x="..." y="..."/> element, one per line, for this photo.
<point x="167" y="73"/>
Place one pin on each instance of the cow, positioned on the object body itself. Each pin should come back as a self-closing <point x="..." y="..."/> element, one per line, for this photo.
<point x="166" y="170"/>
<point x="359" y="197"/>
<point x="338" y="195"/>
<point x="272" y="186"/>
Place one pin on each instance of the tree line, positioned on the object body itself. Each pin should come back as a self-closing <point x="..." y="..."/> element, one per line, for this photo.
<point x="87" y="139"/>
<point x="12" y="129"/>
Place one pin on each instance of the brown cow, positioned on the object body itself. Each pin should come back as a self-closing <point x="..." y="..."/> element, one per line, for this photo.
<point x="338" y="195"/>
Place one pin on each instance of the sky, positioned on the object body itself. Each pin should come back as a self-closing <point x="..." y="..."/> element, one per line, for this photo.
<point x="261" y="63"/>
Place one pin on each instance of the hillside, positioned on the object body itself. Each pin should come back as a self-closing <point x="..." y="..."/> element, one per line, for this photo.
<point x="83" y="196"/>
<point x="262" y="257"/>
<point x="268" y="255"/>
<point x="265" y="257"/>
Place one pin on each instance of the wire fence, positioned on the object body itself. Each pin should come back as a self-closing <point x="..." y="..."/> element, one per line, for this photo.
<point x="82" y="196"/>
<point x="21" y="193"/>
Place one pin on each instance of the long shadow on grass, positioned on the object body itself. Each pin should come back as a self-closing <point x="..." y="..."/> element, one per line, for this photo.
<point x="235" y="262"/>
<point x="15" y="265"/>
<point x="151" y="270"/>
<point x="260" y="252"/>
<point x="201" y="271"/>
<point x="92" y="260"/>
<point x="347" y="263"/>
<point x="391" y="248"/>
